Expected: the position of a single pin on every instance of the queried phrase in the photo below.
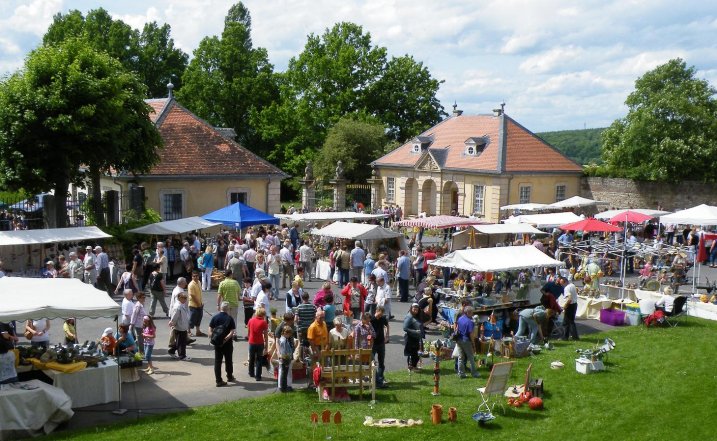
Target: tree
(404, 98)
(228, 80)
(355, 143)
(150, 54)
(342, 73)
(72, 113)
(670, 131)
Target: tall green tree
(404, 98)
(151, 53)
(228, 80)
(70, 114)
(670, 131)
(353, 142)
(339, 73)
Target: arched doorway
(449, 198)
(428, 197)
(410, 197)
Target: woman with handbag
(38, 332)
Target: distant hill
(582, 146)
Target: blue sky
(557, 64)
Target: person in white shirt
(250, 260)
(667, 301)
(379, 271)
(287, 263)
(273, 264)
(358, 255)
(127, 306)
(180, 288)
(90, 264)
(262, 299)
(306, 254)
(569, 302)
(383, 295)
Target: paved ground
(179, 385)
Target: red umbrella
(590, 225)
(630, 216)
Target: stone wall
(626, 193)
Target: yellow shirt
(195, 295)
(318, 334)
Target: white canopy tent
(609, 214)
(497, 259)
(346, 230)
(323, 216)
(575, 202)
(176, 226)
(531, 206)
(28, 298)
(548, 220)
(468, 237)
(699, 215)
(51, 235)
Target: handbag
(28, 332)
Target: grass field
(659, 384)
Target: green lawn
(659, 384)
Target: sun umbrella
(630, 216)
(590, 225)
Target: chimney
(456, 111)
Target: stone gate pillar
(375, 182)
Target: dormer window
(421, 143)
(416, 148)
(475, 145)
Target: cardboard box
(585, 366)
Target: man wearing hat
(49, 272)
(90, 263)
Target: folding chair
(678, 310)
(495, 388)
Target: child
(286, 352)
(70, 331)
(108, 342)
(149, 332)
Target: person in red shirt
(258, 332)
(354, 296)
(429, 254)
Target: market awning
(321, 216)
(575, 202)
(590, 225)
(608, 214)
(51, 235)
(506, 229)
(547, 220)
(438, 222)
(699, 215)
(240, 216)
(346, 230)
(531, 206)
(26, 298)
(176, 226)
(497, 259)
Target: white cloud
(33, 17)
(551, 60)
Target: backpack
(218, 334)
(156, 282)
(337, 258)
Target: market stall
(486, 235)
(440, 222)
(23, 251)
(177, 226)
(547, 220)
(328, 216)
(28, 298)
(240, 216)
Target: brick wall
(626, 193)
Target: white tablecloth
(322, 270)
(33, 412)
(89, 386)
(589, 307)
(694, 307)
(617, 292)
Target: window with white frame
(560, 192)
(478, 199)
(171, 204)
(524, 194)
(391, 189)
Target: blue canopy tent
(240, 216)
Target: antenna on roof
(456, 111)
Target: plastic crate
(613, 317)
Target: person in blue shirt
(403, 271)
(368, 266)
(125, 341)
(207, 266)
(464, 330)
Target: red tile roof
(192, 147)
(520, 149)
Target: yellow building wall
(202, 197)
(543, 187)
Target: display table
(322, 270)
(89, 386)
(32, 412)
(589, 307)
(694, 307)
(618, 292)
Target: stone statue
(309, 171)
(373, 172)
(339, 170)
